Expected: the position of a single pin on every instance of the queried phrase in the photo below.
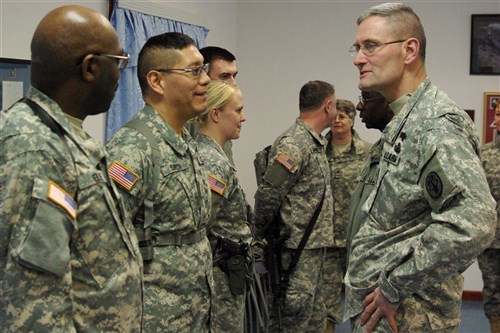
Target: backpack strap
(145, 130)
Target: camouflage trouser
(227, 311)
(304, 309)
(489, 264)
(333, 276)
(414, 315)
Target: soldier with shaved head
(69, 257)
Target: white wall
(282, 45)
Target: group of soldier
(153, 233)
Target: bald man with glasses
(69, 257)
(156, 165)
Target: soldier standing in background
(221, 66)
(295, 184)
(69, 256)
(347, 154)
(489, 260)
(161, 176)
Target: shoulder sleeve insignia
(57, 195)
(433, 185)
(285, 160)
(216, 185)
(122, 175)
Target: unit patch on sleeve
(123, 175)
(57, 195)
(286, 161)
(434, 185)
(216, 185)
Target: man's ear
(155, 82)
(412, 50)
(89, 68)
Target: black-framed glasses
(121, 60)
(363, 100)
(370, 48)
(194, 71)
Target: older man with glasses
(430, 212)
(159, 172)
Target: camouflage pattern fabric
(179, 278)
(294, 182)
(192, 126)
(229, 221)
(304, 309)
(489, 264)
(429, 215)
(69, 257)
(344, 170)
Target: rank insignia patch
(122, 175)
(216, 185)
(61, 198)
(286, 161)
(434, 185)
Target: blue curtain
(133, 30)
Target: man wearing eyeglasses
(430, 213)
(156, 164)
(69, 257)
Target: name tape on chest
(285, 160)
(216, 185)
(57, 195)
(122, 175)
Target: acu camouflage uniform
(69, 257)
(229, 221)
(489, 260)
(178, 279)
(294, 183)
(344, 169)
(428, 217)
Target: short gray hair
(404, 21)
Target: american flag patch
(286, 161)
(216, 185)
(61, 198)
(122, 175)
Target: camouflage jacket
(69, 257)
(430, 214)
(344, 170)
(294, 182)
(181, 208)
(490, 155)
(229, 218)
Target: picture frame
(485, 44)
(491, 99)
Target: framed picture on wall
(491, 100)
(485, 44)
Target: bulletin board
(14, 80)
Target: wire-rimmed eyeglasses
(370, 48)
(195, 71)
(363, 100)
(121, 60)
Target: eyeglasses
(363, 100)
(121, 60)
(195, 71)
(370, 48)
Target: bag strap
(143, 128)
(305, 238)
